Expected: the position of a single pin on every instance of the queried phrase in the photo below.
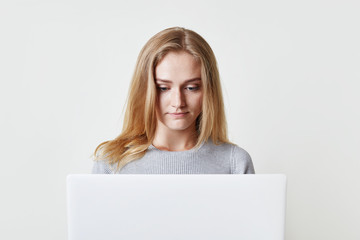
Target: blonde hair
(140, 116)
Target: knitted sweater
(207, 159)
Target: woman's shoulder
(102, 166)
(240, 159)
(233, 148)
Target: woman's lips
(179, 114)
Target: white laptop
(176, 207)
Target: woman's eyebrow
(189, 80)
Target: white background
(290, 73)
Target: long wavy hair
(140, 116)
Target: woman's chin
(178, 127)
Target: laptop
(176, 207)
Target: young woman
(174, 121)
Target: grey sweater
(207, 159)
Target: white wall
(290, 72)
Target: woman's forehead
(178, 66)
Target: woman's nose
(177, 99)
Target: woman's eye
(193, 88)
(162, 89)
(190, 88)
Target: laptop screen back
(183, 207)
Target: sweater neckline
(177, 152)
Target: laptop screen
(134, 207)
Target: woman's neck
(175, 140)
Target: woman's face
(179, 91)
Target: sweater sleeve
(241, 161)
(101, 167)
